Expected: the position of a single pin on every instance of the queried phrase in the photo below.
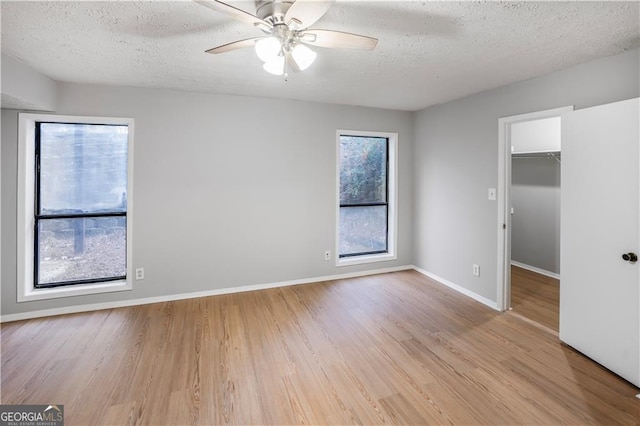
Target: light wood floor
(394, 348)
(536, 297)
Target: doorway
(529, 215)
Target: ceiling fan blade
(305, 13)
(292, 62)
(233, 12)
(240, 44)
(337, 39)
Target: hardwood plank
(536, 297)
(402, 411)
(395, 348)
(363, 408)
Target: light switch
(492, 194)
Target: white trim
(536, 270)
(392, 218)
(504, 247)
(26, 152)
(370, 258)
(504, 198)
(182, 296)
(459, 289)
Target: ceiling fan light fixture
(286, 27)
(268, 48)
(275, 65)
(303, 56)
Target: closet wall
(535, 194)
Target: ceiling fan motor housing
(273, 11)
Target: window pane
(363, 170)
(83, 168)
(81, 249)
(363, 229)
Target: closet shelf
(556, 155)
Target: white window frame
(392, 189)
(26, 189)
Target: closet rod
(539, 155)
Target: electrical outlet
(476, 270)
(327, 255)
(139, 273)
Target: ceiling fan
(287, 38)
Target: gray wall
(535, 224)
(456, 160)
(228, 191)
(233, 191)
(24, 87)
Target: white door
(599, 290)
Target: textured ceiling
(428, 52)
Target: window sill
(76, 290)
(370, 258)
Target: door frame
(504, 197)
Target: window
(75, 205)
(366, 197)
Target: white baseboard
(182, 296)
(459, 289)
(536, 270)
